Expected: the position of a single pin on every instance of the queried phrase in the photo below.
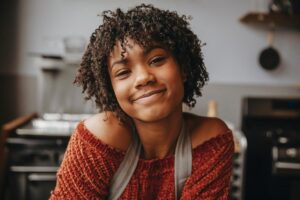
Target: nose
(144, 77)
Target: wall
(230, 54)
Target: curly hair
(145, 25)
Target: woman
(139, 67)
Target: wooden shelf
(272, 19)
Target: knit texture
(89, 165)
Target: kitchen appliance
(35, 150)
(237, 188)
(272, 128)
(33, 163)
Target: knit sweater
(89, 165)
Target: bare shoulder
(204, 128)
(109, 130)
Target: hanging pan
(269, 57)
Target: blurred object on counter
(48, 62)
(212, 110)
(297, 86)
(70, 53)
(74, 48)
(52, 125)
(185, 108)
(56, 92)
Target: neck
(159, 138)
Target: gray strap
(183, 160)
(126, 169)
(183, 165)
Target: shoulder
(106, 127)
(204, 128)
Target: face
(148, 83)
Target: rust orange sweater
(89, 164)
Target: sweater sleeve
(86, 169)
(212, 169)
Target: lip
(148, 94)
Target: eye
(157, 60)
(121, 74)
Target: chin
(153, 114)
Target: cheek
(175, 79)
(178, 85)
(121, 92)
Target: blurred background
(251, 53)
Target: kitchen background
(33, 28)
(231, 53)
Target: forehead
(121, 48)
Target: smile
(150, 96)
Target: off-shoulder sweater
(89, 165)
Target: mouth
(148, 94)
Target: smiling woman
(148, 84)
(140, 66)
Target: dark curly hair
(145, 25)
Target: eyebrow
(145, 52)
(122, 61)
(150, 48)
